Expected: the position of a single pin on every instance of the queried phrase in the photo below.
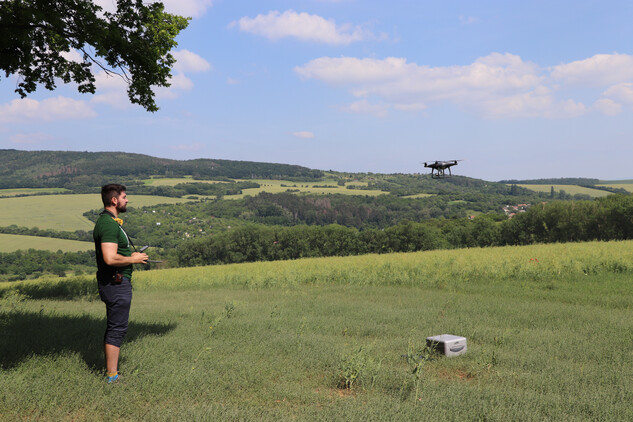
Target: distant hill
(73, 170)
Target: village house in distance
(512, 210)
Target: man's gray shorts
(117, 298)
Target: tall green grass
(443, 268)
(548, 328)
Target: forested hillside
(84, 171)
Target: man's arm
(113, 259)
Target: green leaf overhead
(134, 43)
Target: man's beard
(121, 208)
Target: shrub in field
(357, 369)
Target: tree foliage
(609, 218)
(86, 172)
(133, 42)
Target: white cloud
(494, 86)
(73, 56)
(394, 76)
(117, 99)
(598, 70)
(349, 70)
(303, 135)
(538, 103)
(410, 107)
(305, 27)
(232, 81)
(621, 92)
(58, 108)
(105, 81)
(112, 89)
(188, 8)
(364, 107)
(179, 82)
(34, 138)
(608, 107)
(186, 61)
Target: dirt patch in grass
(455, 375)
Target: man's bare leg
(112, 358)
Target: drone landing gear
(439, 174)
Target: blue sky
(519, 90)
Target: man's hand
(139, 257)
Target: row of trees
(267, 243)
(287, 209)
(19, 265)
(184, 189)
(609, 218)
(83, 235)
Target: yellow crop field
(626, 186)
(30, 191)
(14, 242)
(275, 186)
(63, 212)
(173, 181)
(570, 189)
(419, 195)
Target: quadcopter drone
(438, 168)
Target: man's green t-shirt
(109, 231)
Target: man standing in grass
(114, 272)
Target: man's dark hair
(111, 191)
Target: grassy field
(548, 328)
(275, 186)
(419, 195)
(617, 182)
(570, 189)
(626, 185)
(30, 191)
(63, 212)
(11, 243)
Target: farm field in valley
(336, 339)
(13, 242)
(275, 186)
(63, 212)
(30, 191)
(626, 185)
(570, 189)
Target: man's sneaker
(113, 378)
